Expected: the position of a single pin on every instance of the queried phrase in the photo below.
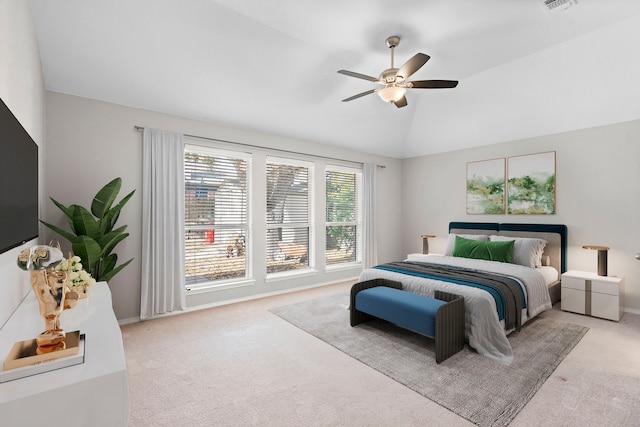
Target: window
(343, 215)
(216, 215)
(288, 215)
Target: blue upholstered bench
(441, 318)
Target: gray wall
(597, 196)
(22, 89)
(91, 142)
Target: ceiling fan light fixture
(394, 80)
(391, 93)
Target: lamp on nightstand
(602, 258)
(425, 242)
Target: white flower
(77, 275)
(63, 266)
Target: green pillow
(479, 249)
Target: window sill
(341, 267)
(212, 287)
(276, 277)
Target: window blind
(288, 215)
(216, 215)
(343, 215)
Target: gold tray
(23, 353)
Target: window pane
(214, 254)
(288, 216)
(216, 216)
(287, 194)
(341, 196)
(342, 216)
(287, 249)
(341, 245)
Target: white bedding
(550, 274)
(483, 328)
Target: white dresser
(94, 393)
(587, 293)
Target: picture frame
(486, 187)
(531, 184)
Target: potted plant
(92, 235)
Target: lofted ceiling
(272, 65)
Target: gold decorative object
(25, 353)
(82, 291)
(51, 288)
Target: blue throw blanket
(506, 291)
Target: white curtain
(163, 289)
(369, 215)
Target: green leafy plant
(92, 235)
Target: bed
(500, 297)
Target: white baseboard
(237, 300)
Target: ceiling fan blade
(412, 65)
(434, 84)
(351, 98)
(358, 75)
(402, 102)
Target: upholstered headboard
(554, 234)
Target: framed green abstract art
(485, 187)
(531, 184)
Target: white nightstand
(592, 295)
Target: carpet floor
(240, 365)
(475, 387)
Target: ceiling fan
(394, 80)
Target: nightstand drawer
(573, 283)
(605, 306)
(572, 300)
(605, 287)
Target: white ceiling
(271, 65)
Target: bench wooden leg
(449, 326)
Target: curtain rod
(141, 128)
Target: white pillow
(526, 251)
(452, 241)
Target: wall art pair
(518, 185)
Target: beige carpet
(473, 386)
(241, 365)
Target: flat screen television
(18, 182)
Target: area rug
(473, 386)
